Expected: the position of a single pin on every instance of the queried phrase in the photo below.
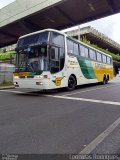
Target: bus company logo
(72, 63)
(98, 65)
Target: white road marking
(90, 147)
(86, 100)
(88, 90)
(69, 98)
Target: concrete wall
(96, 33)
(6, 72)
(23, 8)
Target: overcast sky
(110, 26)
(5, 2)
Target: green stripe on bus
(87, 68)
(35, 73)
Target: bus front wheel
(71, 83)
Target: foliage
(4, 50)
(7, 55)
(6, 84)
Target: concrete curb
(7, 87)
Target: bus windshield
(33, 59)
(44, 51)
(32, 55)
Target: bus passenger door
(54, 60)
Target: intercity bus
(49, 59)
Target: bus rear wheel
(71, 83)
(105, 80)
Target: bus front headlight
(16, 77)
(39, 77)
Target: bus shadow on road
(59, 91)
(62, 90)
(28, 94)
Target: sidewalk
(117, 78)
(6, 87)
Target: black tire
(71, 83)
(105, 80)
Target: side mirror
(16, 49)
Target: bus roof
(33, 33)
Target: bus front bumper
(32, 84)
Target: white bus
(50, 59)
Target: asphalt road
(81, 121)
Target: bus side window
(111, 61)
(70, 49)
(76, 49)
(92, 54)
(99, 57)
(82, 50)
(86, 52)
(104, 58)
(108, 60)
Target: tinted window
(86, 52)
(104, 58)
(76, 51)
(92, 54)
(58, 39)
(54, 53)
(99, 57)
(33, 39)
(70, 46)
(82, 50)
(108, 60)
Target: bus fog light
(16, 84)
(39, 83)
